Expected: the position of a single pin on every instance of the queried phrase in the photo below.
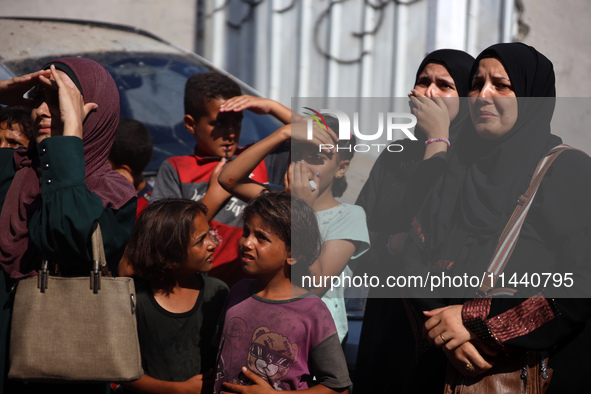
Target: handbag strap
(99, 263)
(510, 233)
(99, 260)
(98, 250)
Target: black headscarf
(458, 64)
(476, 196)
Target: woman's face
(493, 104)
(435, 81)
(46, 112)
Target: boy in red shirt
(217, 131)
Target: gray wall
(561, 30)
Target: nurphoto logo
(345, 133)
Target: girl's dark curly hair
(161, 236)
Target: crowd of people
(218, 243)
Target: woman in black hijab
(458, 227)
(387, 339)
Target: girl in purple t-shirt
(277, 336)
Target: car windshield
(151, 88)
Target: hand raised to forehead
(73, 111)
(13, 90)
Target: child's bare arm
(235, 175)
(149, 385)
(260, 386)
(332, 261)
(260, 106)
(216, 196)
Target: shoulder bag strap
(99, 260)
(99, 264)
(510, 233)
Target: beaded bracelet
(438, 140)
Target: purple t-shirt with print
(292, 344)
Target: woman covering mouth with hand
(512, 100)
(392, 194)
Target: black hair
(161, 236)
(292, 220)
(132, 146)
(345, 151)
(18, 115)
(201, 88)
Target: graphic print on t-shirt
(271, 355)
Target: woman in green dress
(61, 187)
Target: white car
(150, 74)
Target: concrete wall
(561, 30)
(172, 20)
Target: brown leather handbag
(523, 372)
(75, 329)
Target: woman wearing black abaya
(457, 229)
(387, 339)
